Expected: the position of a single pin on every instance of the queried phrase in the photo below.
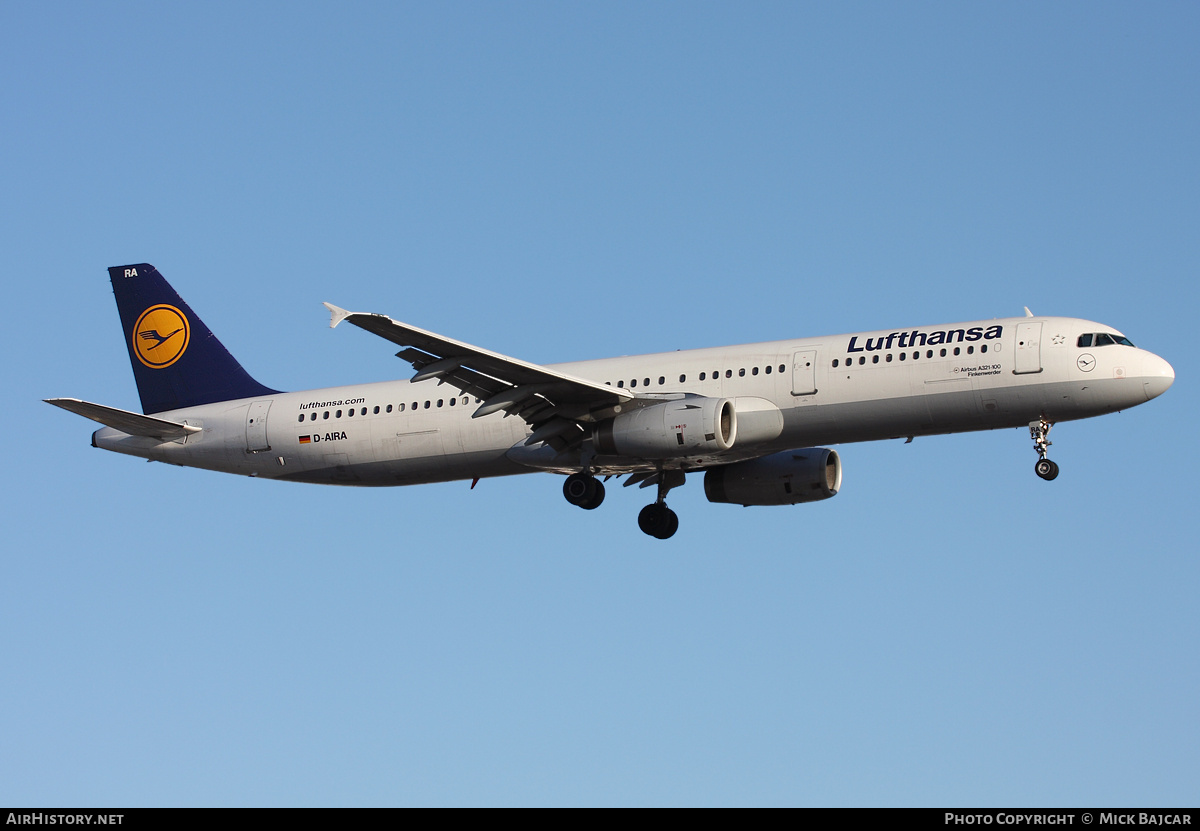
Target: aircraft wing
(550, 401)
(135, 424)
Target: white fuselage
(830, 390)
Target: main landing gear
(656, 519)
(584, 490)
(1038, 431)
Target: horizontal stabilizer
(134, 424)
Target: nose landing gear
(1038, 431)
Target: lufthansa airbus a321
(749, 417)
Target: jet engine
(691, 426)
(788, 478)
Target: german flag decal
(306, 439)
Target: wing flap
(135, 424)
(534, 392)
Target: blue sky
(561, 182)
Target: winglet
(336, 314)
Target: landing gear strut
(656, 519)
(584, 490)
(1038, 431)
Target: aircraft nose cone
(1159, 377)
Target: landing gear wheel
(1046, 469)
(584, 490)
(1039, 431)
(657, 520)
(672, 524)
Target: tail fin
(177, 361)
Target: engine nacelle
(758, 421)
(688, 427)
(788, 478)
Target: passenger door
(1028, 349)
(256, 427)
(804, 373)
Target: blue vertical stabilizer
(177, 361)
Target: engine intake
(788, 478)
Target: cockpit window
(1104, 339)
